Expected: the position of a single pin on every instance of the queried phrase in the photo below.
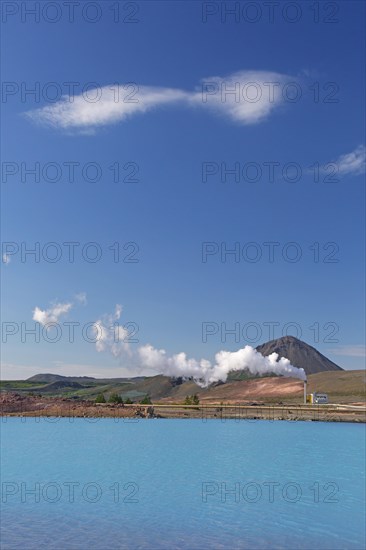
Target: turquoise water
(181, 484)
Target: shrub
(115, 398)
(100, 398)
(195, 400)
(192, 400)
(146, 400)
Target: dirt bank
(12, 404)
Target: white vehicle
(320, 398)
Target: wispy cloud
(352, 163)
(52, 314)
(247, 97)
(57, 310)
(6, 259)
(357, 350)
(110, 335)
(78, 112)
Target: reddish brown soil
(259, 388)
(15, 404)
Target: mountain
(50, 378)
(45, 378)
(300, 354)
(158, 387)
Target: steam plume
(203, 372)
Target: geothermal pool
(181, 484)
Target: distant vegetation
(192, 400)
(115, 398)
(146, 400)
(12, 385)
(100, 398)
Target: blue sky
(182, 125)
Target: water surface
(181, 484)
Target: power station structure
(315, 398)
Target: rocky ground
(13, 404)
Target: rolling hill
(323, 375)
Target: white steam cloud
(51, 315)
(205, 373)
(110, 335)
(57, 310)
(113, 338)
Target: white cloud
(78, 112)
(352, 163)
(110, 335)
(257, 94)
(57, 310)
(247, 97)
(51, 315)
(357, 350)
(117, 312)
